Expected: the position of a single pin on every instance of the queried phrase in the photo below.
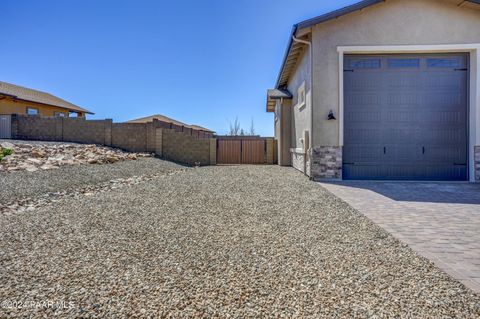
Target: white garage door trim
(474, 100)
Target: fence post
(159, 142)
(213, 151)
(108, 131)
(58, 129)
(14, 126)
(270, 148)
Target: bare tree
(252, 128)
(234, 127)
(242, 132)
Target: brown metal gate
(241, 151)
(5, 126)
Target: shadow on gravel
(429, 192)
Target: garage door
(405, 117)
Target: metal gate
(5, 126)
(241, 150)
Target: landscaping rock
(6, 145)
(31, 157)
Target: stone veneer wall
(477, 163)
(326, 162)
(298, 160)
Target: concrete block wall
(183, 148)
(36, 128)
(172, 144)
(82, 131)
(131, 137)
(61, 129)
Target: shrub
(5, 152)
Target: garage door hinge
(347, 70)
(461, 69)
(348, 163)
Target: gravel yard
(226, 241)
(23, 183)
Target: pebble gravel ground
(27, 184)
(225, 242)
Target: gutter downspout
(310, 50)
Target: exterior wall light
(331, 116)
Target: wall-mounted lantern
(331, 116)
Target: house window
(365, 64)
(443, 63)
(32, 111)
(403, 63)
(301, 98)
(59, 114)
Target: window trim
(301, 92)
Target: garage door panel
(362, 99)
(363, 82)
(363, 136)
(445, 81)
(440, 154)
(401, 99)
(403, 114)
(406, 118)
(364, 114)
(363, 153)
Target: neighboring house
(169, 123)
(15, 99)
(382, 90)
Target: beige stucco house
(382, 90)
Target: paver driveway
(441, 221)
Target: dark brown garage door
(406, 117)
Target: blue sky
(201, 62)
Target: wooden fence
(245, 150)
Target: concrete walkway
(441, 221)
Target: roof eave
(15, 97)
(285, 56)
(320, 19)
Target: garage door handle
(423, 149)
(384, 150)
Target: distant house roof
(159, 117)
(294, 49)
(167, 119)
(26, 94)
(201, 128)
